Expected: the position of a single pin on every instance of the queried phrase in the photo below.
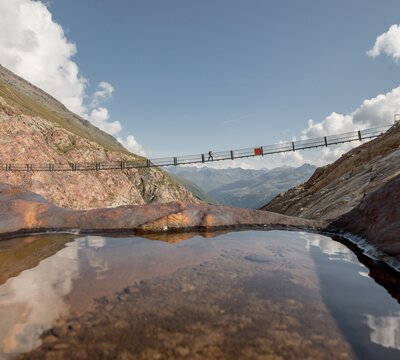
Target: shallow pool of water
(252, 294)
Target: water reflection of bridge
(281, 147)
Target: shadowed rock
(26, 212)
(376, 218)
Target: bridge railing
(374, 132)
(190, 159)
(162, 161)
(277, 148)
(280, 147)
(309, 143)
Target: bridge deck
(203, 158)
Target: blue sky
(193, 75)
(189, 76)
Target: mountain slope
(193, 188)
(335, 189)
(36, 128)
(32, 101)
(243, 187)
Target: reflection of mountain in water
(385, 330)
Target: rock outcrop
(376, 219)
(36, 128)
(359, 194)
(336, 189)
(26, 212)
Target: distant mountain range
(242, 187)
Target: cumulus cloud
(374, 112)
(132, 145)
(35, 47)
(103, 93)
(388, 43)
(100, 118)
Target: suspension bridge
(281, 147)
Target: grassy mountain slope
(32, 101)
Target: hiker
(210, 156)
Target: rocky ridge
(336, 189)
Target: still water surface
(253, 294)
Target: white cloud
(132, 145)
(373, 112)
(379, 110)
(388, 42)
(35, 47)
(100, 118)
(333, 124)
(103, 93)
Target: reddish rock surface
(376, 218)
(26, 212)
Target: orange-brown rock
(26, 212)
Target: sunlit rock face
(37, 129)
(22, 212)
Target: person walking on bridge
(210, 156)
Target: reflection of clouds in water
(30, 302)
(385, 330)
(328, 246)
(91, 244)
(364, 274)
(94, 241)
